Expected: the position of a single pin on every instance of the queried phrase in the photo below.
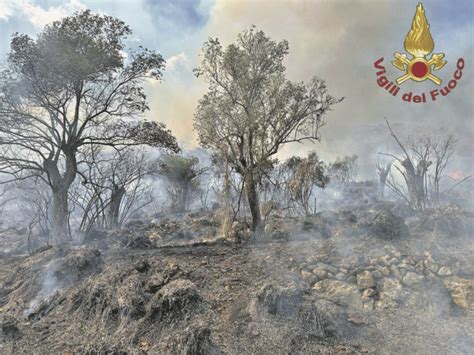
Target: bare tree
(443, 150)
(383, 172)
(421, 167)
(413, 167)
(127, 172)
(251, 109)
(31, 202)
(69, 88)
(112, 186)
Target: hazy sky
(337, 40)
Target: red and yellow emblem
(419, 44)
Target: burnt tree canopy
(182, 174)
(71, 87)
(251, 109)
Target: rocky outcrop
(461, 291)
(340, 292)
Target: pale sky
(337, 40)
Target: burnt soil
(313, 285)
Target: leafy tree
(251, 109)
(343, 170)
(305, 174)
(69, 88)
(182, 174)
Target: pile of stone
(382, 282)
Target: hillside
(357, 280)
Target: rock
(408, 260)
(411, 279)
(365, 280)
(389, 294)
(392, 251)
(341, 276)
(327, 267)
(431, 265)
(462, 292)
(351, 279)
(373, 261)
(445, 271)
(320, 273)
(385, 260)
(377, 274)
(307, 276)
(406, 267)
(385, 271)
(393, 261)
(276, 300)
(420, 267)
(339, 292)
(395, 272)
(368, 292)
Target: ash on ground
(355, 280)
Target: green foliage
(304, 175)
(251, 109)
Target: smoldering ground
(337, 281)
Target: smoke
(351, 38)
(49, 286)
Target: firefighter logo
(419, 44)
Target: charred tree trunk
(60, 184)
(415, 180)
(183, 200)
(254, 203)
(60, 215)
(383, 173)
(114, 207)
